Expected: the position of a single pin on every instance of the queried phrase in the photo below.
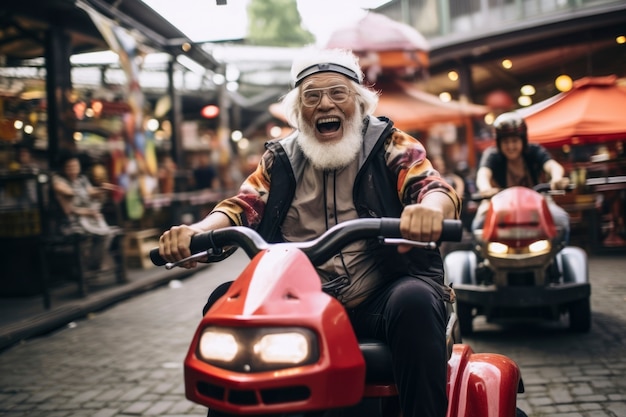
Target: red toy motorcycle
(520, 268)
(276, 344)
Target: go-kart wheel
(520, 413)
(464, 313)
(580, 315)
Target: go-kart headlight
(257, 349)
(497, 248)
(282, 348)
(218, 345)
(540, 246)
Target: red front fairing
(481, 384)
(280, 288)
(518, 216)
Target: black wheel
(464, 313)
(520, 413)
(580, 315)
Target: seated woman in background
(81, 204)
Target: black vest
(374, 195)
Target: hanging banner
(138, 150)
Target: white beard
(330, 156)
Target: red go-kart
(277, 345)
(520, 268)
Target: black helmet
(510, 124)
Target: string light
(563, 83)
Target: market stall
(586, 128)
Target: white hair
(366, 98)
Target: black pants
(410, 316)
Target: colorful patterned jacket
(394, 172)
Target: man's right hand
(174, 244)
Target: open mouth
(328, 125)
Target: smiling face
(511, 147)
(327, 119)
(330, 121)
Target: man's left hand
(420, 223)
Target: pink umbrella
(384, 45)
(375, 33)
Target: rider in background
(515, 162)
(343, 163)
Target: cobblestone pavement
(127, 360)
(123, 361)
(565, 373)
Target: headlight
(539, 246)
(258, 349)
(282, 348)
(217, 345)
(497, 248)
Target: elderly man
(340, 164)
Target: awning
(591, 112)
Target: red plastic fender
(518, 206)
(280, 288)
(481, 384)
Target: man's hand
(174, 244)
(421, 223)
(560, 184)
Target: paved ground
(569, 374)
(126, 360)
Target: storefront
(42, 111)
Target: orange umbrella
(592, 111)
(412, 109)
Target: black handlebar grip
(156, 258)
(390, 227)
(199, 243)
(452, 231)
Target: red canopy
(592, 111)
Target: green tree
(276, 23)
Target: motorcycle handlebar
(318, 250)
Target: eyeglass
(337, 93)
